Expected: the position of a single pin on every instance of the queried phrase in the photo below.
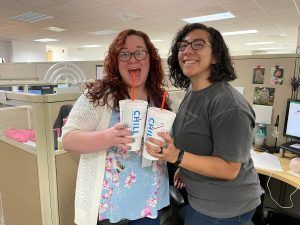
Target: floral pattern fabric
(130, 191)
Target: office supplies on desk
(292, 146)
(265, 161)
(275, 134)
(295, 165)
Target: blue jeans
(142, 221)
(193, 217)
(145, 221)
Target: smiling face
(278, 73)
(140, 68)
(196, 64)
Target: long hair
(112, 84)
(222, 70)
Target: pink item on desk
(295, 164)
(20, 135)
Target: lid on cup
(164, 111)
(129, 101)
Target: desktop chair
(63, 114)
(178, 198)
(59, 122)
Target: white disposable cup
(259, 141)
(133, 114)
(157, 121)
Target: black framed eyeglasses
(195, 44)
(138, 55)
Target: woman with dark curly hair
(112, 185)
(212, 132)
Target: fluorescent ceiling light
(156, 40)
(91, 46)
(273, 48)
(212, 17)
(103, 32)
(278, 52)
(260, 43)
(57, 29)
(46, 40)
(31, 17)
(239, 32)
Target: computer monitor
(292, 119)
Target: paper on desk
(265, 161)
(30, 143)
(295, 146)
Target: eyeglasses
(196, 44)
(138, 55)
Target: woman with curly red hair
(112, 185)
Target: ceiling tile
(160, 19)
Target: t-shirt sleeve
(232, 135)
(83, 116)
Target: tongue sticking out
(135, 72)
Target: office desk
(265, 212)
(283, 176)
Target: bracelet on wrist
(179, 158)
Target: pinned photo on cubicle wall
(277, 75)
(258, 75)
(264, 96)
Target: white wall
(5, 50)
(59, 53)
(87, 54)
(298, 37)
(63, 53)
(28, 52)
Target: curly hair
(222, 70)
(113, 86)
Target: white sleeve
(83, 116)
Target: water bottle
(260, 136)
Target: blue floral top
(130, 191)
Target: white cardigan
(84, 116)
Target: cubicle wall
(36, 71)
(66, 173)
(17, 71)
(16, 112)
(37, 185)
(19, 186)
(62, 166)
(244, 67)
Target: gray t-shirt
(218, 121)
